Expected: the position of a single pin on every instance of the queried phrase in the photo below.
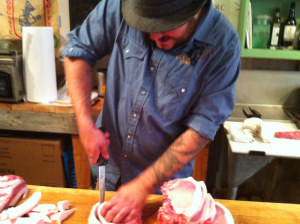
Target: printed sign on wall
(230, 8)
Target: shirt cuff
(76, 52)
(203, 126)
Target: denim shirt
(152, 95)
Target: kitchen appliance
(11, 71)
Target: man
(170, 85)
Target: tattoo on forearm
(172, 160)
(167, 165)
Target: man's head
(169, 22)
(167, 40)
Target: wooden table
(51, 119)
(242, 212)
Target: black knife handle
(255, 112)
(102, 129)
(101, 161)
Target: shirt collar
(204, 32)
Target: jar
(261, 31)
(101, 76)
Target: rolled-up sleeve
(216, 100)
(95, 38)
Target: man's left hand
(127, 204)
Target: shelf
(265, 7)
(271, 54)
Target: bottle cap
(277, 10)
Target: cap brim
(158, 24)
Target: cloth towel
(238, 135)
(255, 126)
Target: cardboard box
(37, 161)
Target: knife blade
(101, 166)
(293, 118)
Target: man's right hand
(95, 142)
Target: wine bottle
(290, 27)
(274, 40)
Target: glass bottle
(276, 25)
(290, 27)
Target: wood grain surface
(243, 212)
(42, 118)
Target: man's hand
(127, 204)
(95, 142)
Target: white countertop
(278, 147)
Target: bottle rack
(266, 7)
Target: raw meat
(187, 202)
(96, 218)
(63, 205)
(61, 216)
(223, 215)
(24, 208)
(45, 218)
(12, 188)
(42, 207)
(27, 221)
(23, 221)
(288, 134)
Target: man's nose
(155, 36)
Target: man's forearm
(178, 155)
(79, 77)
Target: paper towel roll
(39, 64)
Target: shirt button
(143, 92)
(127, 51)
(125, 156)
(129, 136)
(183, 90)
(134, 115)
(71, 49)
(152, 68)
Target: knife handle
(101, 161)
(255, 112)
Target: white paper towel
(39, 64)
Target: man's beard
(190, 30)
(188, 34)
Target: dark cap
(154, 16)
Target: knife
(294, 119)
(102, 163)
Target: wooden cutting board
(243, 212)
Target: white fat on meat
(63, 205)
(42, 207)
(96, 218)
(187, 202)
(223, 215)
(24, 208)
(12, 189)
(61, 216)
(38, 215)
(23, 220)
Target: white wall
(268, 87)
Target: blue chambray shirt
(152, 95)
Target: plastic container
(261, 31)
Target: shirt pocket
(134, 56)
(174, 98)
